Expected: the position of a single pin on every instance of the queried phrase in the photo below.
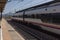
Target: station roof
(2, 4)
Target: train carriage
(47, 17)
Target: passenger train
(47, 16)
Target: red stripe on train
(46, 25)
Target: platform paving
(0, 33)
(12, 34)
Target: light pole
(23, 14)
(1, 13)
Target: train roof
(46, 4)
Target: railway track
(33, 32)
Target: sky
(16, 5)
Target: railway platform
(9, 33)
(0, 33)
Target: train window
(32, 16)
(56, 18)
(44, 17)
(25, 16)
(48, 18)
(46, 9)
(38, 16)
(54, 9)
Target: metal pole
(23, 15)
(1, 13)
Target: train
(47, 16)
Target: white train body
(49, 13)
(44, 10)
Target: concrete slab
(9, 33)
(5, 33)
